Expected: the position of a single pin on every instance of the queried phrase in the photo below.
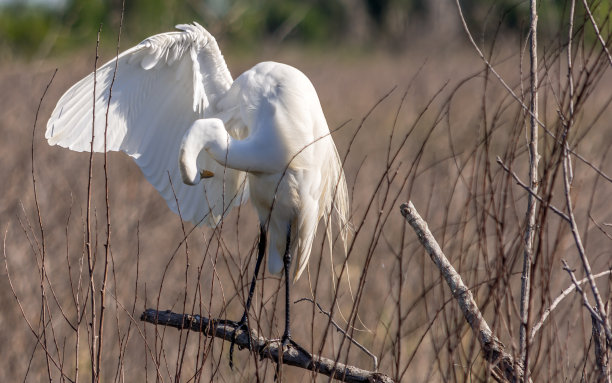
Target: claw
(286, 341)
(241, 325)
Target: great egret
(175, 110)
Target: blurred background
(42, 28)
(416, 115)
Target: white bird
(174, 108)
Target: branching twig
(558, 300)
(599, 304)
(585, 299)
(265, 348)
(599, 322)
(338, 328)
(526, 187)
(517, 98)
(504, 366)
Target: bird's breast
(274, 196)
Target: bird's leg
(287, 264)
(243, 323)
(286, 339)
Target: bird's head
(190, 173)
(188, 160)
(198, 139)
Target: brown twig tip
(265, 348)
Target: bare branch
(530, 214)
(517, 98)
(492, 69)
(580, 247)
(558, 300)
(265, 348)
(503, 365)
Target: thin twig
(585, 299)
(579, 246)
(596, 28)
(517, 98)
(36, 335)
(43, 250)
(107, 202)
(338, 328)
(558, 300)
(599, 226)
(526, 187)
(88, 240)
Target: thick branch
(265, 348)
(504, 366)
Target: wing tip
(193, 28)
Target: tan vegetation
(457, 119)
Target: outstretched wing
(160, 87)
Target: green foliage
(322, 22)
(28, 30)
(24, 29)
(247, 24)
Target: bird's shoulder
(270, 77)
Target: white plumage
(264, 135)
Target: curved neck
(253, 154)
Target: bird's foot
(238, 327)
(286, 341)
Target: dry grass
(446, 167)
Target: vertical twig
(530, 215)
(88, 244)
(107, 202)
(43, 318)
(578, 242)
(570, 77)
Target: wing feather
(161, 86)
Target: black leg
(261, 250)
(286, 339)
(287, 265)
(243, 324)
